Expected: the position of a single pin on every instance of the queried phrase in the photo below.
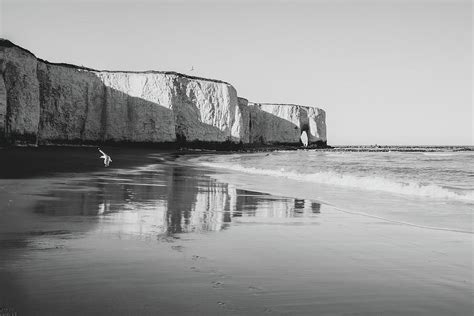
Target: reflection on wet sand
(165, 199)
(143, 241)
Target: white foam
(366, 183)
(441, 154)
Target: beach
(158, 233)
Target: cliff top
(284, 104)
(6, 43)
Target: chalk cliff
(284, 123)
(44, 103)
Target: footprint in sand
(255, 289)
(178, 248)
(268, 310)
(225, 306)
(207, 270)
(217, 285)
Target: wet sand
(153, 235)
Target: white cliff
(20, 103)
(284, 123)
(44, 103)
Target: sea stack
(50, 103)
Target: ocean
(428, 189)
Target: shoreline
(231, 147)
(277, 188)
(390, 201)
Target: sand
(152, 235)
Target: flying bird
(107, 159)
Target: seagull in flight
(106, 157)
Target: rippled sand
(153, 235)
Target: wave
(367, 183)
(442, 154)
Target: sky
(385, 71)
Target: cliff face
(42, 102)
(284, 123)
(20, 96)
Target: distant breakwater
(396, 148)
(44, 103)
